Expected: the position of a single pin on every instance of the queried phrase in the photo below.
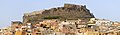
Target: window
(0, 29)
(38, 33)
(89, 26)
(64, 21)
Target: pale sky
(14, 9)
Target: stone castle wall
(69, 11)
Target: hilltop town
(71, 19)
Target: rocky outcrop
(69, 12)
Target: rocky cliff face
(69, 11)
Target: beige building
(15, 24)
(116, 24)
(92, 33)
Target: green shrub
(51, 17)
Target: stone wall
(69, 11)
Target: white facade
(103, 23)
(81, 25)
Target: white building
(101, 22)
